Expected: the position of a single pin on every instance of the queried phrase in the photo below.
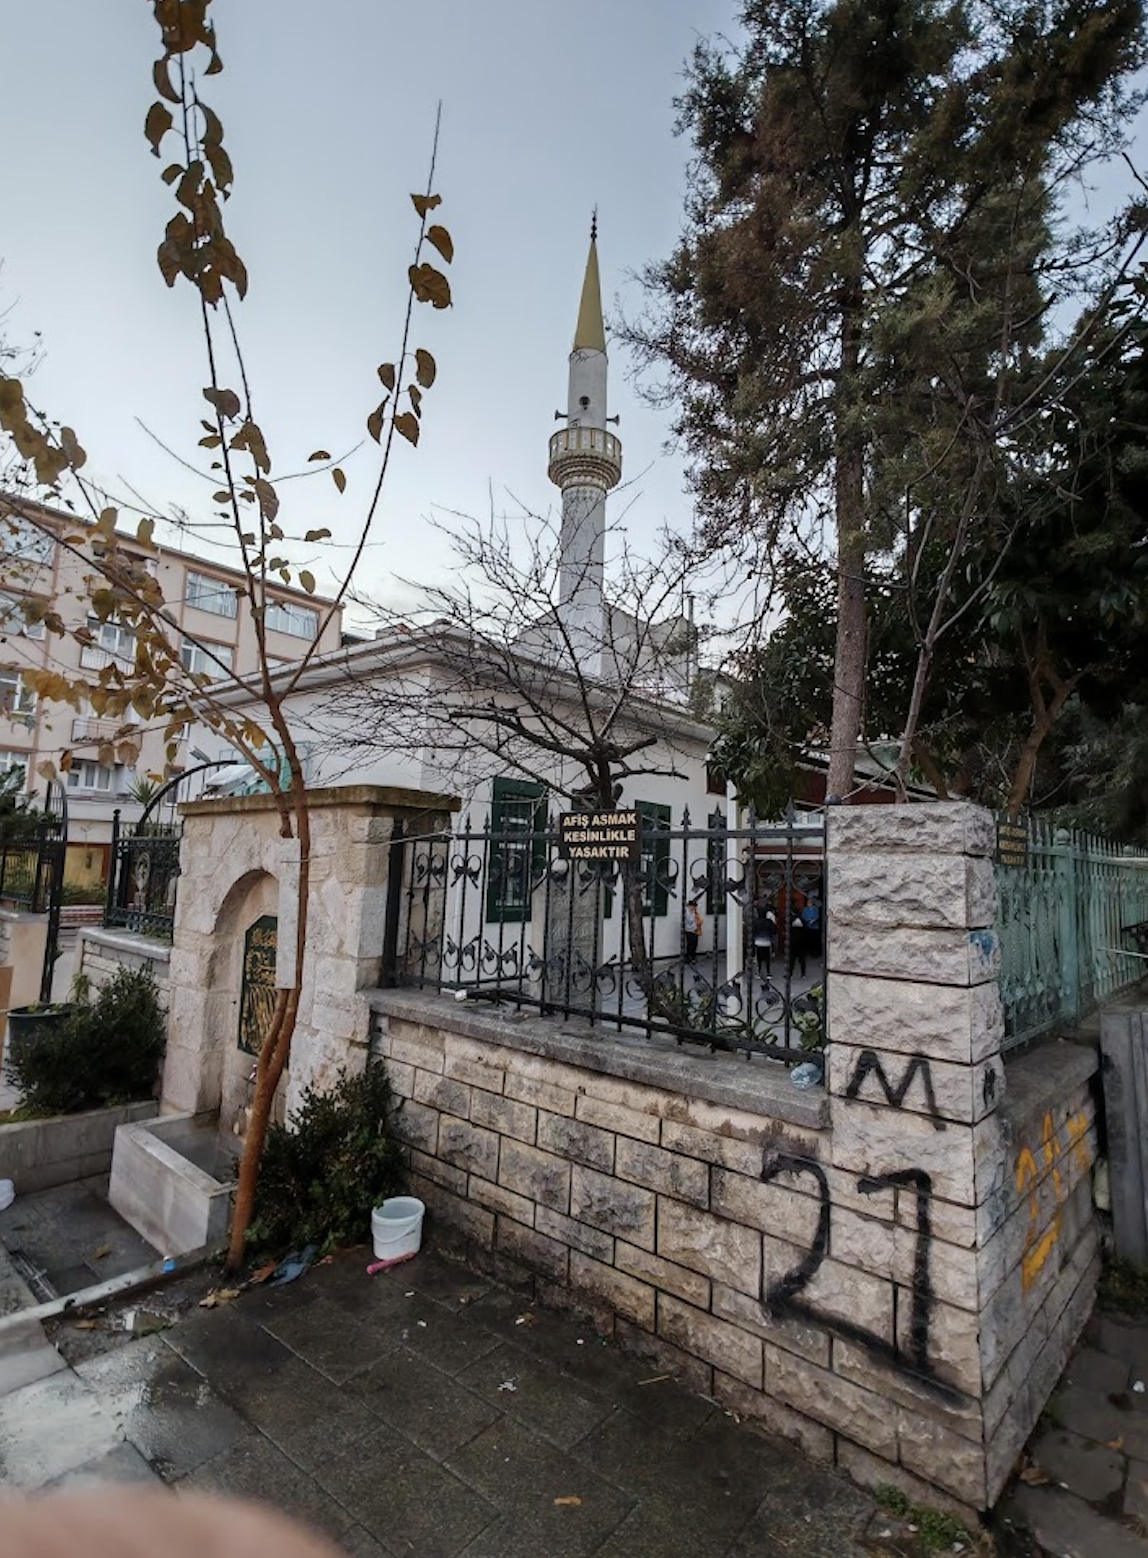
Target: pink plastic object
(382, 1265)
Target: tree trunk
(849, 478)
(849, 661)
(929, 766)
(1043, 721)
(276, 1048)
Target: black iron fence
(142, 877)
(143, 873)
(501, 915)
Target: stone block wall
(891, 1270)
(989, 1166)
(623, 1179)
(99, 953)
(37, 1154)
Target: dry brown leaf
(1114, 1444)
(103, 1252)
(571, 1501)
(219, 1296)
(1034, 1477)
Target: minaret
(585, 462)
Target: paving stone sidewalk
(1089, 1460)
(424, 1413)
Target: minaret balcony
(585, 456)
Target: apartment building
(204, 598)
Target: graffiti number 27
(784, 1296)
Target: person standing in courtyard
(764, 938)
(691, 929)
(798, 935)
(812, 919)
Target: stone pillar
(915, 1078)
(574, 929)
(236, 869)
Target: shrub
(320, 1178)
(107, 1051)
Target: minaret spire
(585, 463)
(590, 334)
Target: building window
(13, 622)
(212, 595)
(25, 542)
(210, 660)
(12, 762)
(95, 778)
(715, 780)
(517, 849)
(113, 638)
(16, 698)
(285, 617)
(654, 860)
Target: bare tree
(492, 680)
(155, 685)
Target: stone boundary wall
(891, 1270)
(99, 953)
(37, 1154)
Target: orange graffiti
(1078, 1141)
(1039, 1246)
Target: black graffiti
(869, 1063)
(921, 1298)
(782, 1298)
(990, 1088)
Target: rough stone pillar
(971, 1205)
(916, 1078)
(574, 936)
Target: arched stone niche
(236, 867)
(205, 1069)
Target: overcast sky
(328, 114)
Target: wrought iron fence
(19, 872)
(142, 877)
(30, 863)
(143, 873)
(1072, 922)
(500, 915)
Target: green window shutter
(655, 856)
(518, 807)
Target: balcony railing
(93, 658)
(586, 440)
(85, 728)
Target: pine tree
(868, 263)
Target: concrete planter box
(172, 1182)
(37, 1154)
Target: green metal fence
(1072, 922)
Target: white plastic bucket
(397, 1227)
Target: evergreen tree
(870, 254)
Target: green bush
(107, 1051)
(320, 1179)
